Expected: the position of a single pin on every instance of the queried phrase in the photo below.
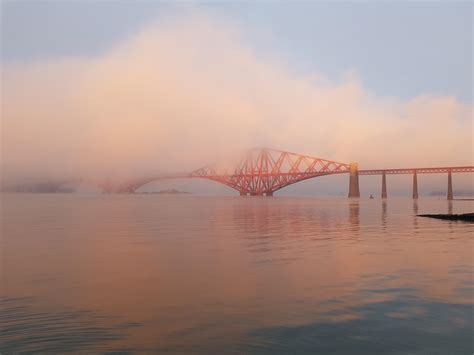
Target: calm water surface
(218, 275)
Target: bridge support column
(415, 186)
(450, 186)
(243, 193)
(269, 193)
(354, 181)
(384, 185)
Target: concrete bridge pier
(450, 186)
(354, 181)
(243, 193)
(269, 193)
(415, 186)
(384, 185)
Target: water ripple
(28, 328)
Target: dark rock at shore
(468, 217)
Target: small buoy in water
(371, 197)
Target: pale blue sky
(397, 49)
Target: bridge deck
(453, 169)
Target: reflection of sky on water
(386, 320)
(220, 275)
(27, 327)
(399, 326)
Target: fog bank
(188, 91)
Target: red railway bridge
(263, 171)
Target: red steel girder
(264, 171)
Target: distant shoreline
(165, 192)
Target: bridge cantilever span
(260, 172)
(263, 171)
(133, 185)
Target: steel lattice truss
(261, 171)
(264, 171)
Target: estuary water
(224, 275)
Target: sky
(103, 88)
